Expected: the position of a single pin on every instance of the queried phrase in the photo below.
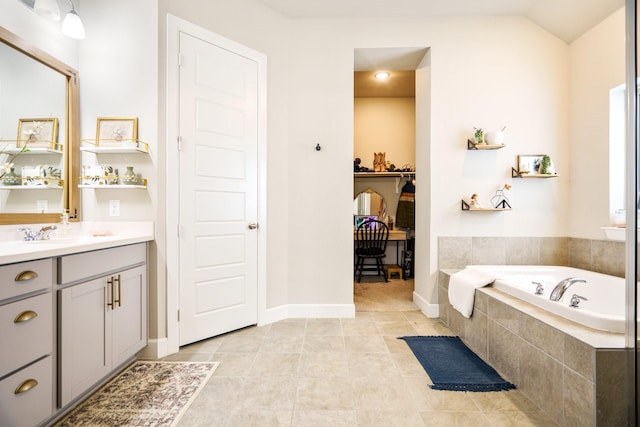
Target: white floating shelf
(36, 150)
(112, 186)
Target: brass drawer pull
(117, 280)
(112, 303)
(26, 275)
(26, 386)
(25, 316)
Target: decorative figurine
(500, 200)
(379, 163)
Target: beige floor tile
(323, 344)
(323, 328)
(455, 419)
(189, 357)
(275, 365)
(268, 393)
(324, 418)
(389, 419)
(324, 365)
(371, 365)
(360, 344)
(282, 344)
(240, 344)
(519, 419)
(315, 393)
(373, 393)
(341, 373)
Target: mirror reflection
(370, 203)
(32, 117)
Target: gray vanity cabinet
(103, 315)
(26, 351)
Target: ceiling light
(48, 9)
(72, 25)
(382, 75)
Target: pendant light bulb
(72, 25)
(47, 9)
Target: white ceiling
(567, 19)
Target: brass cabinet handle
(25, 316)
(117, 280)
(26, 275)
(25, 386)
(112, 303)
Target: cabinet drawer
(24, 277)
(26, 328)
(33, 405)
(73, 268)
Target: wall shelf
(55, 186)
(36, 150)
(472, 146)
(128, 146)
(517, 174)
(383, 174)
(115, 186)
(467, 207)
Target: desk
(394, 236)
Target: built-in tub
(604, 304)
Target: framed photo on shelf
(529, 163)
(38, 133)
(117, 132)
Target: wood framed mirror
(32, 203)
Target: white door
(218, 188)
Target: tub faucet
(561, 287)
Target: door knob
(253, 226)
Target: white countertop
(80, 237)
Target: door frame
(175, 26)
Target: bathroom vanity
(73, 311)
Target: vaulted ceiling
(567, 19)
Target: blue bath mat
(451, 365)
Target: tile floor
(341, 372)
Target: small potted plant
(479, 136)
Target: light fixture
(72, 25)
(382, 75)
(48, 9)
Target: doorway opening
(385, 168)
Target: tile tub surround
(602, 256)
(573, 373)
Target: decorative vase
(10, 178)
(130, 177)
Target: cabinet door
(129, 315)
(85, 324)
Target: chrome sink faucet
(562, 287)
(43, 234)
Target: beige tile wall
(602, 256)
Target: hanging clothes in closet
(405, 214)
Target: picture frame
(38, 133)
(529, 163)
(117, 132)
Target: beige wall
(385, 125)
(484, 71)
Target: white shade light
(72, 25)
(382, 75)
(48, 9)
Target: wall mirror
(370, 203)
(39, 111)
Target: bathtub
(603, 309)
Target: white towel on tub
(462, 288)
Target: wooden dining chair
(371, 242)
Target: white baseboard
(308, 311)
(155, 349)
(429, 310)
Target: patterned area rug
(147, 393)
